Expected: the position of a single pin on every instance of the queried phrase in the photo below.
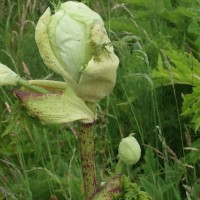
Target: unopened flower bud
(73, 43)
(129, 150)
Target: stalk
(35, 88)
(87, 153)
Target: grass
(42, 162)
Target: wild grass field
(156, 97)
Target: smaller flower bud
(7, 76)
(129, 150)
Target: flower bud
(129, 150)
(7, 76)
(73, 43)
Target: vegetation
(156, 97)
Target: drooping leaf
(56, 108)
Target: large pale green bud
(73, 43)
(7, 76)
(129, 150)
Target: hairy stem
(87, 153)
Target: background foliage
(156, 97)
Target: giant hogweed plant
(74, 44)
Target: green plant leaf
(193, 156)
(191, 107)
(181, 68)
(176, 67)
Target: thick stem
(86, 141)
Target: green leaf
(193, 156)
(181, 68)
(191, 106)
(176, 67)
